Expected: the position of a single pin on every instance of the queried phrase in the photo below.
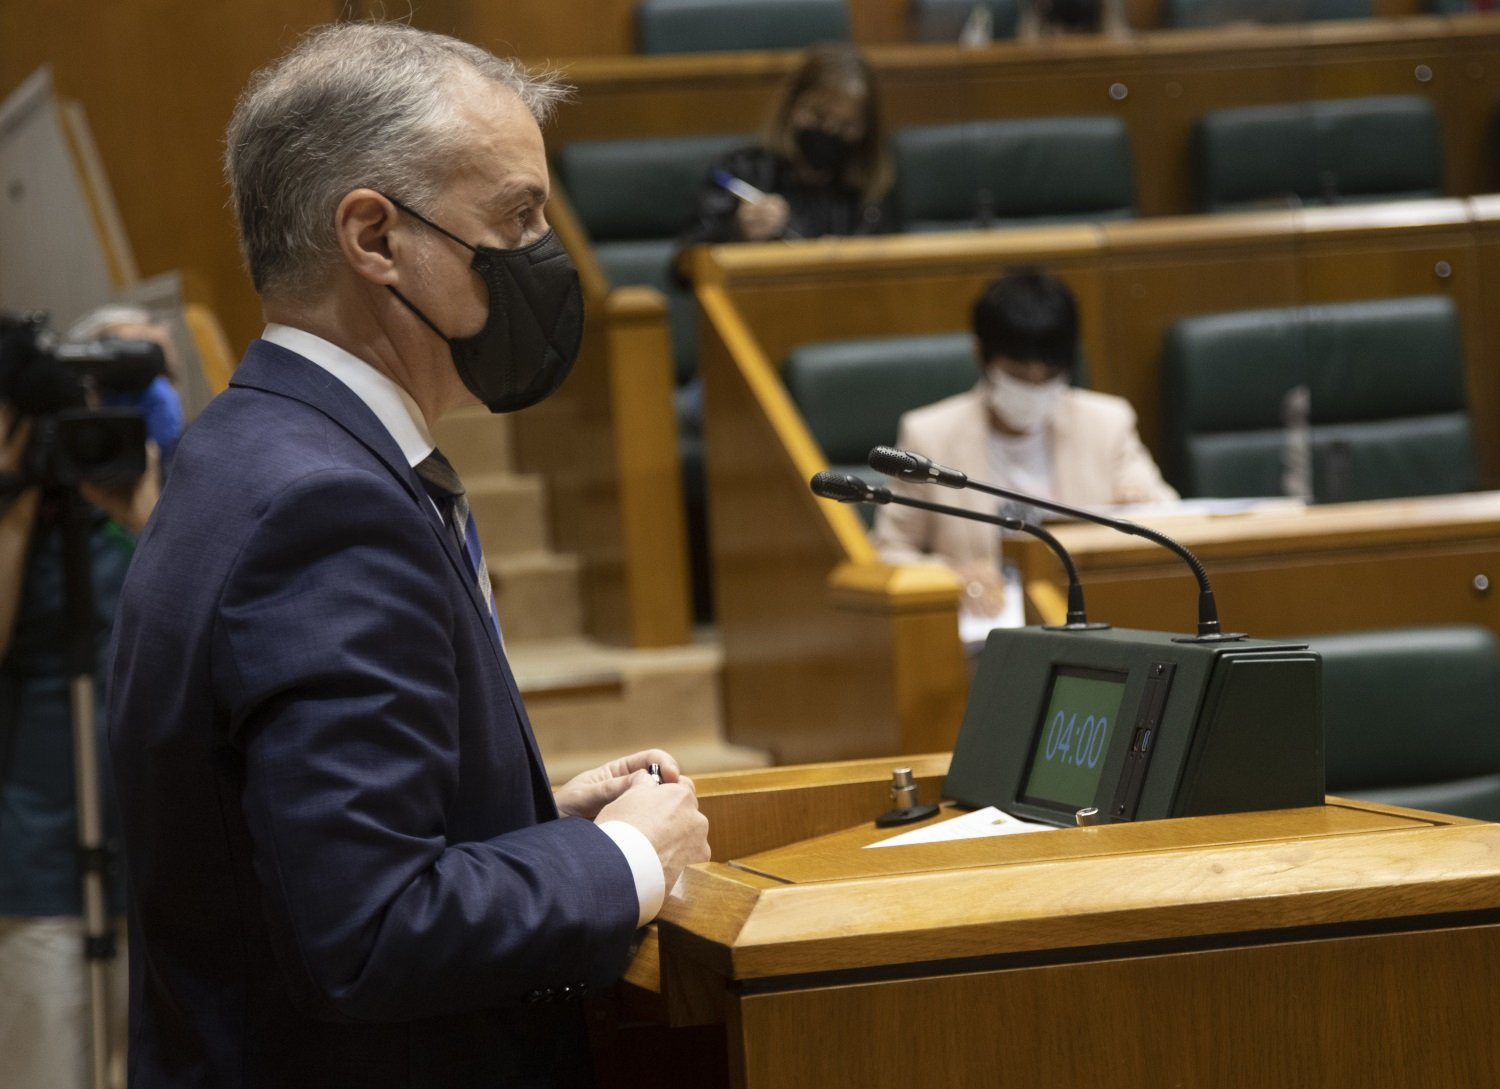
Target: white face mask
(1026, 407)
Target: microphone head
(893, 462)
(846, 488)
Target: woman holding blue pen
(821, 167)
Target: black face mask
(822, 150)
(530, 338)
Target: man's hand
(667, 815)
(590, 791)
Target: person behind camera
(1022, 427)
(45, 1034)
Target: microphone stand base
(1087, 625)
(905, 816)
(1216, 637)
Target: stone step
(590, 704)
(478, 442)
(538, 595)
(511, 512)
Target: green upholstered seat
(1319, 152)
(942, 20)
(852, 393)
(1413, 717)
(712, 26)
(633, 197)
(1388, 415)
(1007, 173)
(1199, 13)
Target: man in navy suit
(347, 865)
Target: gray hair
(351, 105)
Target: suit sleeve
(335, 655)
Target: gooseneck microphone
(848, 488)
(906, 465)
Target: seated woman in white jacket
(1022, 427)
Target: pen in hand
(746, 193)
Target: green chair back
(1009, 173)
(852, 393)
(1413, 717)
(1388, 414)
(1321, 152)
(1201, 13)
(712, 26)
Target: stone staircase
(588, 702)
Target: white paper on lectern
(979, 824)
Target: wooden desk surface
(829, 906)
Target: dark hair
(1030, 316)
(839, 65)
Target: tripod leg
(99, 938)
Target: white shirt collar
(392, 405)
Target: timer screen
(1074, 737)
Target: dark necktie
(448, 491)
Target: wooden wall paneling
(1483, 350)
(1327, 568)
(873, 22)
(1189, 74)
(1156, 273)
(1467, 89)
(157, 81)
(1423, 61)
(669, 95)
(539, 30)
(1290, 593)
(1049, 77)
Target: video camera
(54, 385)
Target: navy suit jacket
(345, 863)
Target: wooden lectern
(1345, 945)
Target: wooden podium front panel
(1388, 1011)
(1346, 945)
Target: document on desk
(979, 824)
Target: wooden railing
(607, 442)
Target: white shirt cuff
(645, 866)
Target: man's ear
(365, 223)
